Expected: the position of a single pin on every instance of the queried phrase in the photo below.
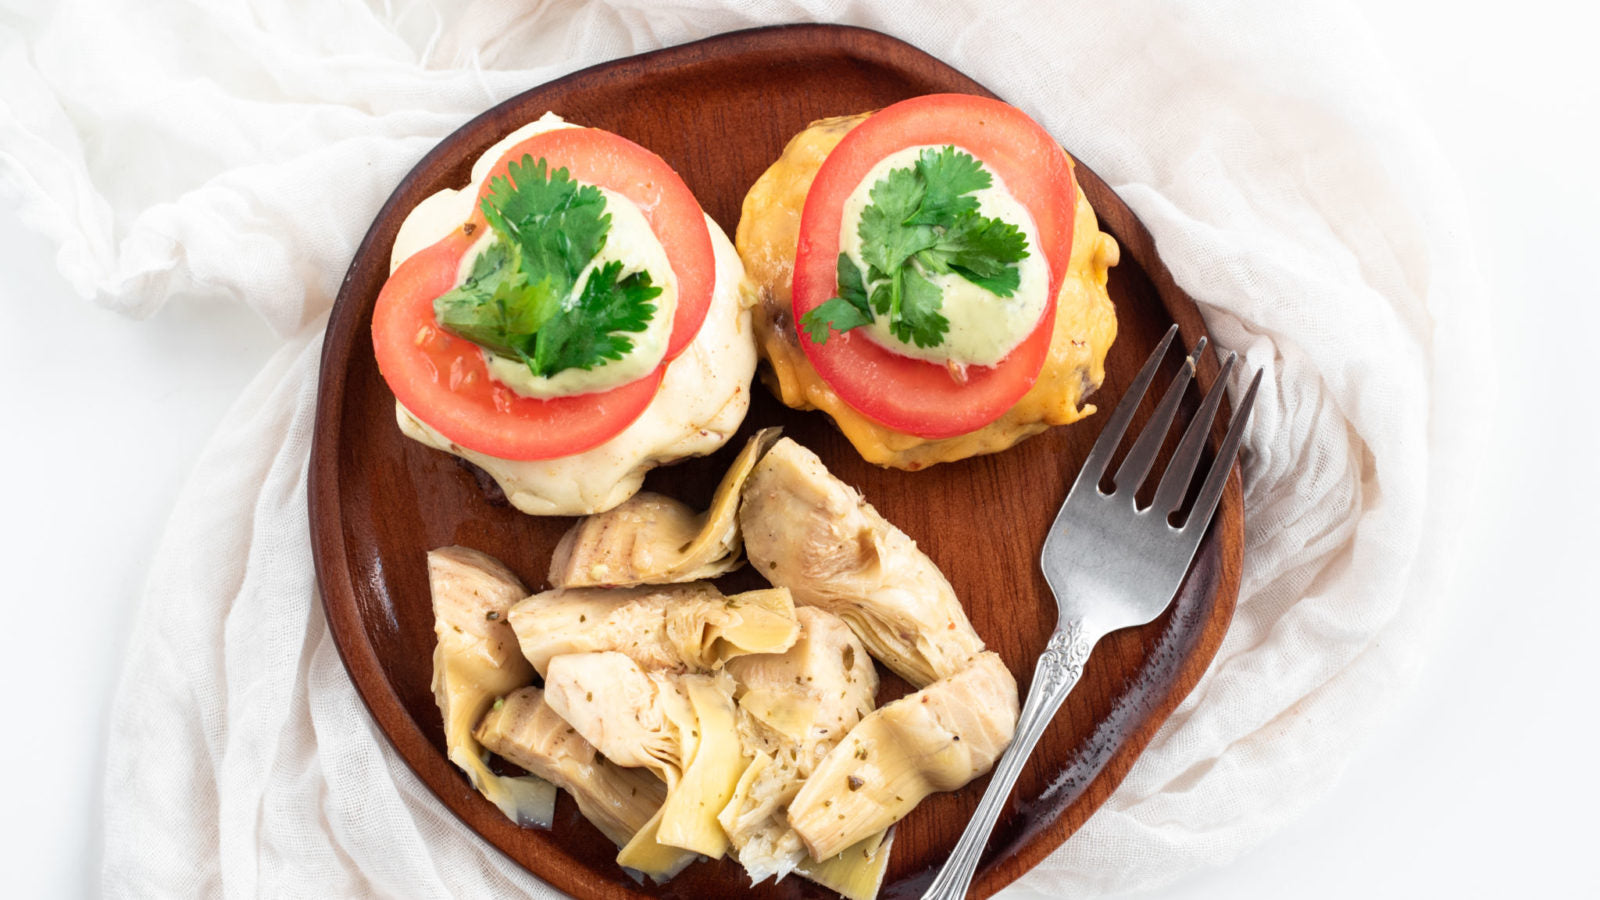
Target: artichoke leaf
(706, 634)
(857, 872)
(646, 854)
(689, 815)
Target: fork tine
(1206, 503)
(1175, 482)
(1104, 446)
(1136, 465)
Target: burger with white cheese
(567, 321)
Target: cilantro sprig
(519, 299)
(922, 220)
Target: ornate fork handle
(1059, 668)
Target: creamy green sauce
(631, 242)
(984, 327)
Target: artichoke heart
(476, 661)
(525, 730)
(686, 824)
(680, 726)
(666, 627)
(808, 697)
(795, 707)
(936, 739)
(652, 539)
(808, 531)
(636, 718)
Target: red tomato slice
(914, 396)
(442, 379)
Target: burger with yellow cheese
(932, 277)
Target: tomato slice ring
(443, 380)
(915, 396)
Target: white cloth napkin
(236, 151)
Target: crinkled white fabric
(236, 151)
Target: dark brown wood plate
(720, 111)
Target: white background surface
(1482, 784)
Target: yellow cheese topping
(1085, 325)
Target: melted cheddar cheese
(1085, 325)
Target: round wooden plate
(720, 111)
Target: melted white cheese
(701, 402)
(442, 213)
(984, 327)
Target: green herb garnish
(519, 299)
(922, 220)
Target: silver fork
(1110, 565)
